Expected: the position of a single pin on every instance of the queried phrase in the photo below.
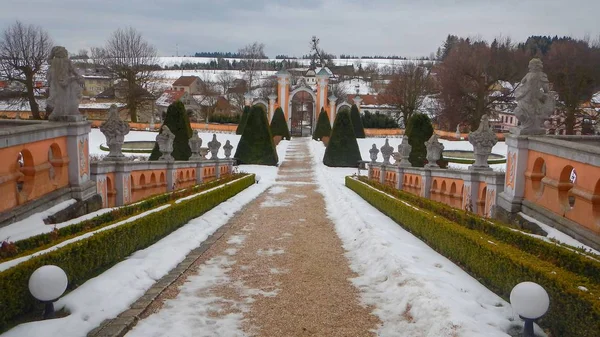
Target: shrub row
(499, 266)
(86, 258)
(557, 255)
(224, 119)
(42, 241)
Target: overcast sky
(370, 27)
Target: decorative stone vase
(213, 146)
(277, 139)
(403, 153)
(434, 151)
(203, 152)
(165, 141)
(325, 140)
(386, 152)
(373, 152)
(227, 149)
(195, 144)
(483, 140)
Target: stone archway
(342, 105)
(302, 108)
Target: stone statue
(114, 129)
(195, 144)
(386, 152)
(374, 152)
(214, 147)
(457, 134)
(65, 86)
(483, 139)
(403, 153)
(227, 147)
(534, 101)
(434, 151)
(165, 143)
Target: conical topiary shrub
(243, 121)
(323, 128)
(342, 150)
(256, 145)
(359, 130)
(179, 123)
(278, 125)
(418, 131)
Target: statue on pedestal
(114, 129)
(434, 151)
(165, 141)
(535, 103)
(483, 139)
(195, 144)
(65, 86)
(214, 145)
(373, 152)
(386, 152)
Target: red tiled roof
(368, 99)
(185, 81)
(169, 96)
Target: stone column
(322, 81)
(382, 170)
(79, 160)
(400, 181)
(171, 176)
(332, 101)
(199, 173)
(283, 91)
(471, 191)
(516, 166)
(272, 99)
(426, 183)
(123, 183)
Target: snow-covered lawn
(112, 292)
(415, 290)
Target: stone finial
(165, 143)
(534, 101)
(227, 147)
(114, 129)
(374, 152)
(483, 139)
(195, 144)
(213, 146)
(403, 153)
(65, 86)
(434, 151)
(386, 152)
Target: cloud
(383, 27)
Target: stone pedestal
(79, 160)
(516, 166)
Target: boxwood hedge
(499, 266)
(84, 259)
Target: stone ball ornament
(48, 283)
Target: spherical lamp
(47, 284)
(257, 178)
(531, 302)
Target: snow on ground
(112, 292)
(463, 145)
(33, 224)
(413, 288)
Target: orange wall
(36, 174)
(412, 183)
(447, 190)
(552, 191)
(145, 183)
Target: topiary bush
(278, 125)
(342, 150)
(359, 130)
(243, 121)
(179, 123)
(378, 121)
(256, 145)
(323, 128)
(418, 131)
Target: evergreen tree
(243, 121)
(323, 128)
(179, 123)
(359, 130)
(278, 125)
(418, 131)
(256, 145)
(342, 150)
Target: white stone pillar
(332, 101)
(283, 92)
(272, 99)
(516, 165)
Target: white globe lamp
(47, 284)
(257, 178)
(531, 302)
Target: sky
(356, 27)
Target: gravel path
(279, 271)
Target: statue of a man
(114, 129)
(534, 101)
(65, 84)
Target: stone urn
(203, 152)
(277, 139)
(325, 140)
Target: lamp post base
(49, 310)
(528, 328)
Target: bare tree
(24, 50)
(268, 87)
(319, 58)
(129, 58)
(407, 89)
(252, 55)
(225, 80)
(340, 91)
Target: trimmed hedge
(243, 121)
(497, 265)
(323, 128)
(418, 130)
(178, 122)
(39, 242)
(278, 125)
(84, 259)
(342, 150)
(256, 145)
(557, 255)
(359, 130)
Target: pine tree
(342, 150)
(256, 144)
(179, 123)
(243, 121)
(278, 125)
(323, 128)
(418, 131)
(359, 130)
